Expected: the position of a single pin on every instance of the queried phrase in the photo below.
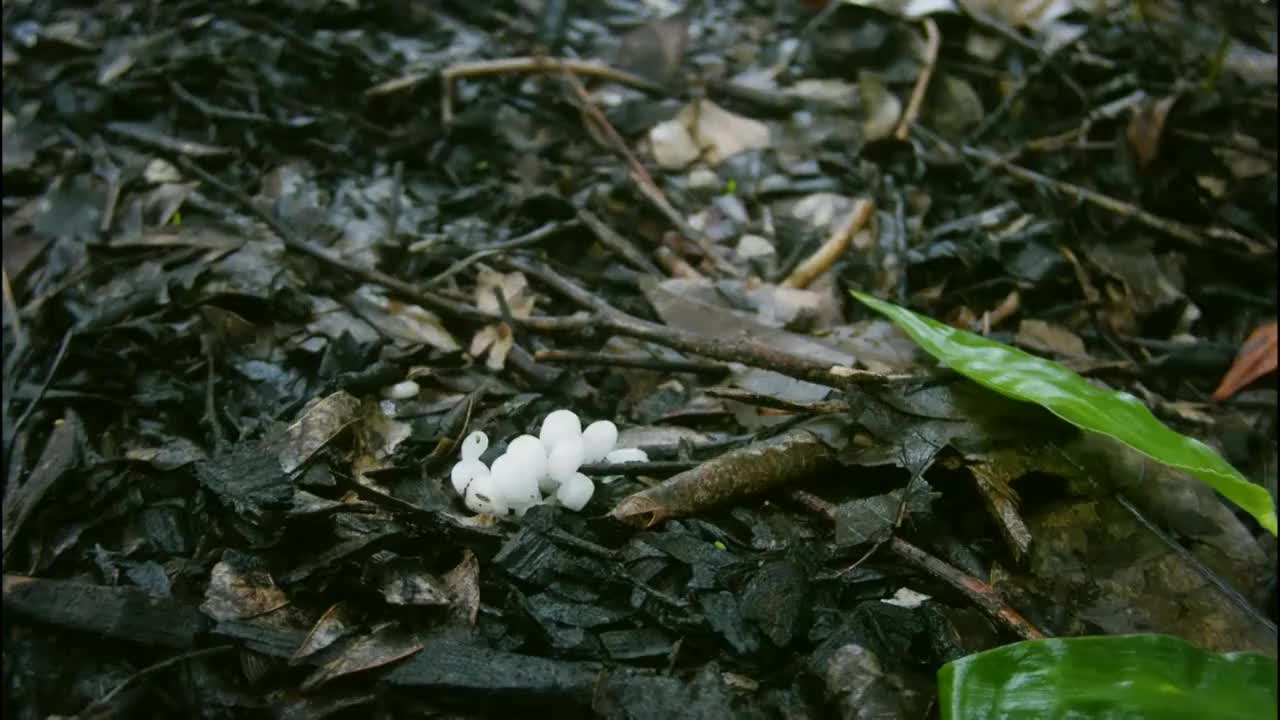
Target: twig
(1193, 237)
(1232, 595)
(1266, 154)
(505, 66)
(835, 246)
(99, 708)
(640, 176)
(533, 237)
(990, 24)
(617, 242)
(1080, 133)
(11, 312)
(542, 377)
(978, 592)
(744, 350)
(898, 517)
(44, 387)
(656, 468)
(676, 266)
(393, 212)
(821, 407)
(604, 318)
(377, 277)
(756, 468)
(1018, 89)
(934, 40)
(641, 362)
(210, 397)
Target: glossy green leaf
(1022, 376)
(1118, 676)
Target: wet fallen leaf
(1256, 358)
(1021, 376)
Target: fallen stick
(978, 592)
(796, 455)
(506, 66)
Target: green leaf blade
(1120, 676)
(1022, 376)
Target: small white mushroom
(474, 445)
(627, 455)
(514, 482)
(527, 443)
(465, 472)
(557, 426)
(576, 492)
(482, 497)
(401, 390)
(598, 440)
(565, 459)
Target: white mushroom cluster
(534, 470)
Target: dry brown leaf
(1256, 358)
(1146, 127)
(1049, 337)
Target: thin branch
(100, 707)
(44, 387)
(515, 65)
(407, 290)
(1018, 89)
(835, 246)
(604, 318)
(934, 40)
(644, 181)
(745, 350)
(11, 312)
(1191, 236)
(533, 237)
(977, 591)
(640, 362)
(992, 25)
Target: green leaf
(1022, 376)
(1119, 676)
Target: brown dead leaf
(1256, 358)
(1048, 337)
(493, 342)
(1146, 127)
(515, 291)
(463, 582)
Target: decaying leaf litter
(265, 268)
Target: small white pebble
(481, 497)
(514, 482)
(576, 492)
(465, 472)
(626, 455)
(557, 426)
(565, 459)
(598, 440)
(401, 390)
(474, 445)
